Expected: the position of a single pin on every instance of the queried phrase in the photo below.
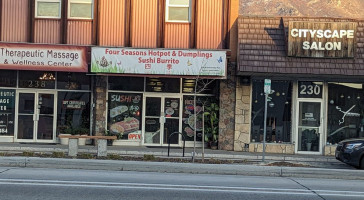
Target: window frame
(80, 2)
(178, 6)
(48, 1)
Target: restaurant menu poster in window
(125, 114)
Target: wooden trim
(48, 19)
(161, 24)
(97, 137)
(193, 31)
(81, 20)
(1, 20)
(95, 23)
(64, 23)
(129, 15)
(31, 21)
(225, 39)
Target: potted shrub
(212, 125)
(65, 130)
(81, 131)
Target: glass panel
(45, 127)
(171, 107)
(178, 14)
(309, 89)
(25, 126)
(152, 131)
(48, 9)
(8, 78)
(73, 81)
(309, 114)
(46, 104)
(73, 112)
(126, 83)
(279, 112)
(179, 2)
(7, 112)
(345, 112)
(204, 86)
(171, 85)
(26, 103)
(308, 139)
(153, 106)
(125, 115)
(81, 10)
(171, 126)
(36, 79)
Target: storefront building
(316, 68)
(62, 70)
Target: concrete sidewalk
(317, 161)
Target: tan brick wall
(330, 150)
(272, 148)
(242, 117)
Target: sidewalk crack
(4, 171)
(309, 189)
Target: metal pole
(203, 133)
(265, 125)
(195, 131)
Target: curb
(193, 168)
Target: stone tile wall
(242, 117)
(100, 105)
(330, 150)
(272, 148)
(227, 109)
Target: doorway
(309, 127)
(35, 118)
(161, 119)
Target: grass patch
(28, 154)
(114, 157)
(58, 155)
(86, 156)
(3, 153)
(148, 157)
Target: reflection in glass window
(125, 115)
(37, 79)
(73, 81)
(80, 9)
(73, 115)
(178, 10)
(171, 85)
(48, 8)
(7, 111)
(345, 112)
(278, 115)
(204, 86)
(8, 78)
(125, 83)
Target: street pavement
(315, 165)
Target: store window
(178, 11)
(278, 114)
(48, 8)
(8, 78)
(73, 112)
(73, 81)
(204, 86)
(126, 83)
(345, 112)
(80, 9)
(7, 111)
(169, 85)
(125, 115)
(37, 79)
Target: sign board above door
(322, 39)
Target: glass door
(35, 117)
(162, 118)
(309, 127)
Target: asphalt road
(55, 184)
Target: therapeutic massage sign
(322, 40)
(159, 62)
(43, 57)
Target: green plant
(86, 156)
(114, 157)
(211, 123)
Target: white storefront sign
(158, 62)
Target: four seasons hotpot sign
(159, 62)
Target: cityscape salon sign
(322, 39)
